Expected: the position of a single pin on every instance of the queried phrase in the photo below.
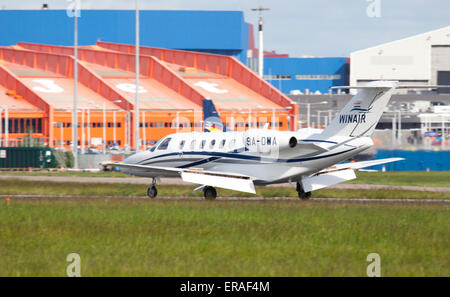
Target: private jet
(238, 161)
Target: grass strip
(194, 238)
(22, 187)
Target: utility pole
(6, 127)
(75, 89)
(260, 40)
(104, 128)
(394, 136)
(399, 131)
(144, 136)
(136, 105)
(1, 127)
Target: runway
(242, 199)
(177, 181)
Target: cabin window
(232, 144)
(165, 144)
(182, 144)
(202, 145)
(222, 143)
(193, 142)
(212, 144)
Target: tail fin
(361, 114)
(211, 118)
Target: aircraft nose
(131, 159)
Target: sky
(324, 28)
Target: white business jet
(241, 160)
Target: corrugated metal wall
(221, 32)
(307, 69)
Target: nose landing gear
(152, 192)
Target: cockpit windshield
(153, 147)
(164, 144)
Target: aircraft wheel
(210, 193)
(152, 192)
(301, 193)
(304, 195)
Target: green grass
(66, 173)
(404, 178)
(23, 187)
(205, 238)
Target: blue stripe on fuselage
(216, 155)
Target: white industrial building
(423, 59)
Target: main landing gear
(209, 193)
(152, 192)
(301, 193)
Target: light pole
(260, 40)
(61, 130)
(6, 108)
(82, 130)
(326, 117)
(399, 133)
(144, 136)
(136, 112)
(104, 128)
(308, 110)
(114, 128)
(104, 125)
(75, 90)
(1, 127)
(394, 122)
(6, 127)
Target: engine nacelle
(269, 141)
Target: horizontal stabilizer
(339, 173)
(219, 180)
(325, 180)
(363, 164)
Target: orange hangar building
(37, 94)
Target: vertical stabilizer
(361, 114)
(211, 118)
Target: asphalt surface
(246, 199)
(175, 181)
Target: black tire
(304, 195)
(301, 193)
(209, 193)
(152, 192)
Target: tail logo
(358, 117)
(357, 107)
(213, 124)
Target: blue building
(312, 74)
(219, 32)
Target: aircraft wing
(359, 165)
(223, 180)
(339, 173)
